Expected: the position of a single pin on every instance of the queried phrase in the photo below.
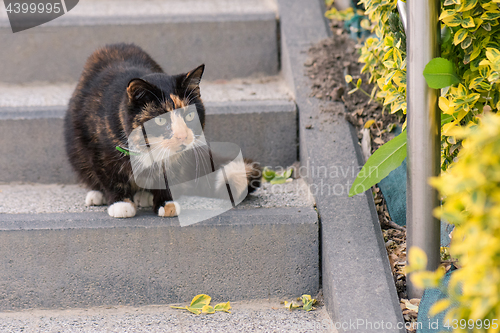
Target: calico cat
(120, 90)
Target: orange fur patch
(178, 102)
(170, 209)
(131, 202)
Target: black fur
(120, 89)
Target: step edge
(146, 219)
(90, 21)
(212, 108)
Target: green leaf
(387, 158)
(223, 307)
(268, 174)
(288, 173)
(460, 35)
(468, 22)
(467, 5)
(291, 306)
(207, 309)
(193, 310)
(278, 180)
(489, 16)
(445, 34)
(308, 305)
(200, 304)
(306, 298)
(452, 20)
(466, 43)
(199, 301)
(440, 73)
(486, 26)
(446, 118)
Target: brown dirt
(328, 64)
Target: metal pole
(402, 13)
(424, 133)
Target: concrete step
(233, 38)
(257, 114)
(246, 316)
(57, 253)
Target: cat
(121, 90)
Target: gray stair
(258, 115)
(57, 253)
(246, 316)
(234, 38)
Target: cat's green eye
(190, 116)
(160, 121)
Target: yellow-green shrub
(471, 192)
(384, 55)
(470, 40)
(470, 186)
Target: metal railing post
(424, 133)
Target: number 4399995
(32, 8)
(471, 324)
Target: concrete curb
(357, 282)
(72, 260)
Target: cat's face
(166, 112)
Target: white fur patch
(236, 176)
(94, 198)
(122, 209)
(170, 209)
(143, 199)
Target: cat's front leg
(95, 198)
(143, 198)
(163, 205)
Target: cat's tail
(253, 173)
(239, 178)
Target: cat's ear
(192, 79)
(139, 90)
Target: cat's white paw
(170, 209)
(236, 173)
(143, 199)
(94, 198)
(122, 209)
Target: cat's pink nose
(181, 136)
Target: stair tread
(245, 317)
(56, 198)
(45, 94)
(180, 10)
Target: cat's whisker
(196, 164)
(201, 162)
(189, 96)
